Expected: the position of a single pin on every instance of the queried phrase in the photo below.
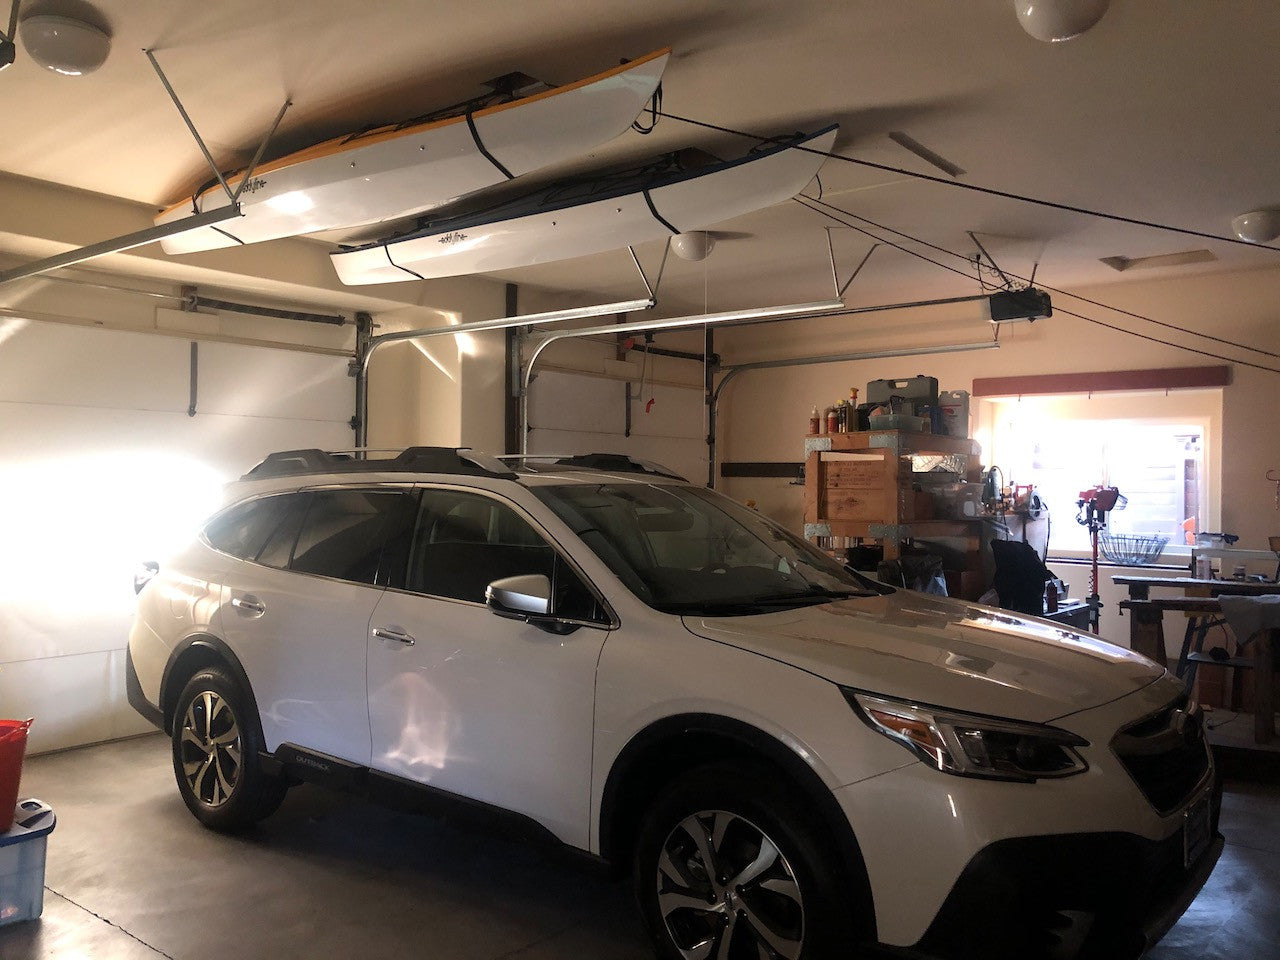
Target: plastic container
(22, 858)
(897, 421)
(954, 405)
(13, 746)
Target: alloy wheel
(210, 748)
(726, 892)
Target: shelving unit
(859, 485)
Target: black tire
(215, 754)
(801, 903)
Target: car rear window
(242, 529)
(344, 533)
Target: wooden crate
(855, 487)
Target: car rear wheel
(730, 865)
(215, 754)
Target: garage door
(571, 414)
(101, 467)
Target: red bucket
(13, 744)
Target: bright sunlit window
(1157, 450)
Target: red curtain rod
(1169, 378)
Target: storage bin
(22, 858)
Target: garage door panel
(573, 414)
(100, 468)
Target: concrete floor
(132, 876)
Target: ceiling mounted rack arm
(652, 288)
(262, 148)
(835, 275)
(231, 195)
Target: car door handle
(385, 633)
(249, 606)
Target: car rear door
(487, 708)
(297, 616)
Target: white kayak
(581, 217)
(398, 170)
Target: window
(465, 541)
(242, 529)
(1156, 449)
(344, 533)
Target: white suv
(792, 760)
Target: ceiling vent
(1163, 260)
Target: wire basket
(1132, 549)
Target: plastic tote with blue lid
(22, 856)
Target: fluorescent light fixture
(1180, 259)
(65, 45)
(912, 145)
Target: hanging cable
(1065, 293)
(1078, 316)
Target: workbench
(1199, 600)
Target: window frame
(610, 619)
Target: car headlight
(970, 745)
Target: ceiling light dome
(693, 246)
(65, 45)
(1260, 226)
(1055, 20)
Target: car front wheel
(215, 755)
(729, 865)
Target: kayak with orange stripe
(402, 169)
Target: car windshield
(683, 549)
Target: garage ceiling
(1166, 111)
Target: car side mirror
(527, 598)
(521, 597)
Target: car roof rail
(609, 462)
(451, 460)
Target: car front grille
(1166, 754)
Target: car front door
(487, 708)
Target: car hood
(942, 652)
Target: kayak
(663, 197)
(397, 170)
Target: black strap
(386, 248)
(230, 236)
(656, 215)
(475, 135)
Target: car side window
(344, 533)
(242, 530)
(464, 541)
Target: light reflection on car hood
(944, 652)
